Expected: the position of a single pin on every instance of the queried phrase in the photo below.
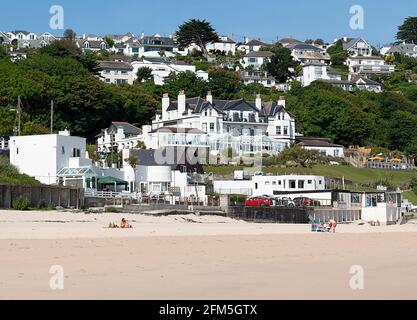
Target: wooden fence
(41, 196)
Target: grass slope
(10, 175)
(353, 174)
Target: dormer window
(103, 46)
(87, 45)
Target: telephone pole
(52, 116)
(19, 111)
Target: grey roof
(366, 80)
(351, 42)
(330, 70)
(303, 47)
(289, 40)
(404, 48)
(15, 32)
(34, 43)
(316, 142)
(157, 41)
(127, 127)
(227, 40)
(180, 159)
(93, 44)
(261, 54)
(198, 105)
(254, 42)
(115, 65)
(157, 59)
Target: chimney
(258, 102)
(345, 39)
(165, 105)
(181, 103)
(246, 39)
(281, 101)
(209, 97)
(65, 132)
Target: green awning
(112, 181)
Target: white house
(357, 47)
(21, 35)
(261, 77)
(322, 145)
(156, 44)
(34, 44)
(117, 137)
(244, 126)
(408, 49)
(43, 156)
(260, 185)
(383, 207)
(225, 45)
(120, 38)
(306, 53)
(368, 66)
(256, 59)
(4, 143)
(130, 49)
(162, 67)
(4, 39)
(91, 45)
(357, 83)
(116, 72)
(317, 71)
(156, 174)
(251, 45)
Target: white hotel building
(247, 127)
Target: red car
(258, 202)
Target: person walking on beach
(333, 225)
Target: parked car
(284, 202)
(272, 198)
(258, 202)
(305, 202)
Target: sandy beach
(190, 257)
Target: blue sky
(265, 19)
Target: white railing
(108, 194)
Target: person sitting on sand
(112, 225)
(125, 225)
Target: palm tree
(133, 162)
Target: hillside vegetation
(10, 175)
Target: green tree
(133, 162)
(337, 54)
(110, 42)
(144, 74)
(224, 84)
(280, 64)
(199, 32)
(69, 34)
(300, 156)
(61, 48)
(408, 30)
(187, 81)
